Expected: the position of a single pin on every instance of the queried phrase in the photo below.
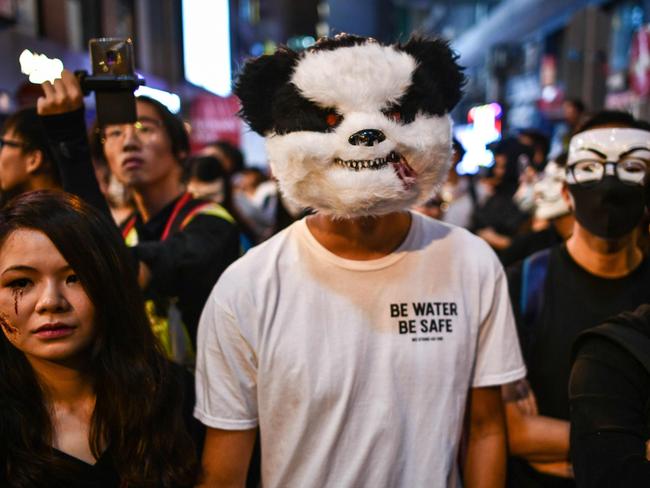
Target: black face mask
(609, 209)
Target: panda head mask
(355, 128)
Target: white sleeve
(498, 356)
(226, 371)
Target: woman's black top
(70, 472)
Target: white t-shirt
(357, 372)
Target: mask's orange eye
(333, 119)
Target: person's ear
(34, 162)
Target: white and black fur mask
(355, 128)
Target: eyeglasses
(630, 170)
(7, 142)
(145, 129)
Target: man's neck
(361, 238)
(603, 257)
(42, 182)
(564, 225)
(151, 199)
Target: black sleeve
(69, 143)
(196, 255)
(608, 394)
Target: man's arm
(226, 456)
(485, 463)
(61, 109)
(533, 437)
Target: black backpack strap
(629, 338)
(533, 279)
(184, 211)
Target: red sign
(640, 62)
(214, 118)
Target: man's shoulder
(442, 240)
(264, 254)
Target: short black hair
(205, 168)
(232, 152)
(613, 118)
(540, 140)
(577, 104)
(26, 124)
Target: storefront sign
(213, 118)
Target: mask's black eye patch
(402, 113)
(393, 113)
(292, 112)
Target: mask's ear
(257, 84)
(438, 78)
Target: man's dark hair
(138, 409)
(539, 139)
(205, 168)
(232, 152)
(614, 118)
(576, 103)
(561, 159)
(26, 124)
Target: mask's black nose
(366, 137)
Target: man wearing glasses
(557, 293)
(182, 244)
(26, 163)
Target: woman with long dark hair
(87, 398)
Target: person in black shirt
(561, 292)
(87, 397)
(609, 393)
(182, 244)
(498, 219)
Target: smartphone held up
(113, 80)
(113, 77)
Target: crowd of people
(174, 319)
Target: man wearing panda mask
(360, 338)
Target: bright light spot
(484, 128)
(169, 100)
(308, 41)
(206, 44)
(39, 67)
(257, 49)
(549, 92)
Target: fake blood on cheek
(18, 294)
